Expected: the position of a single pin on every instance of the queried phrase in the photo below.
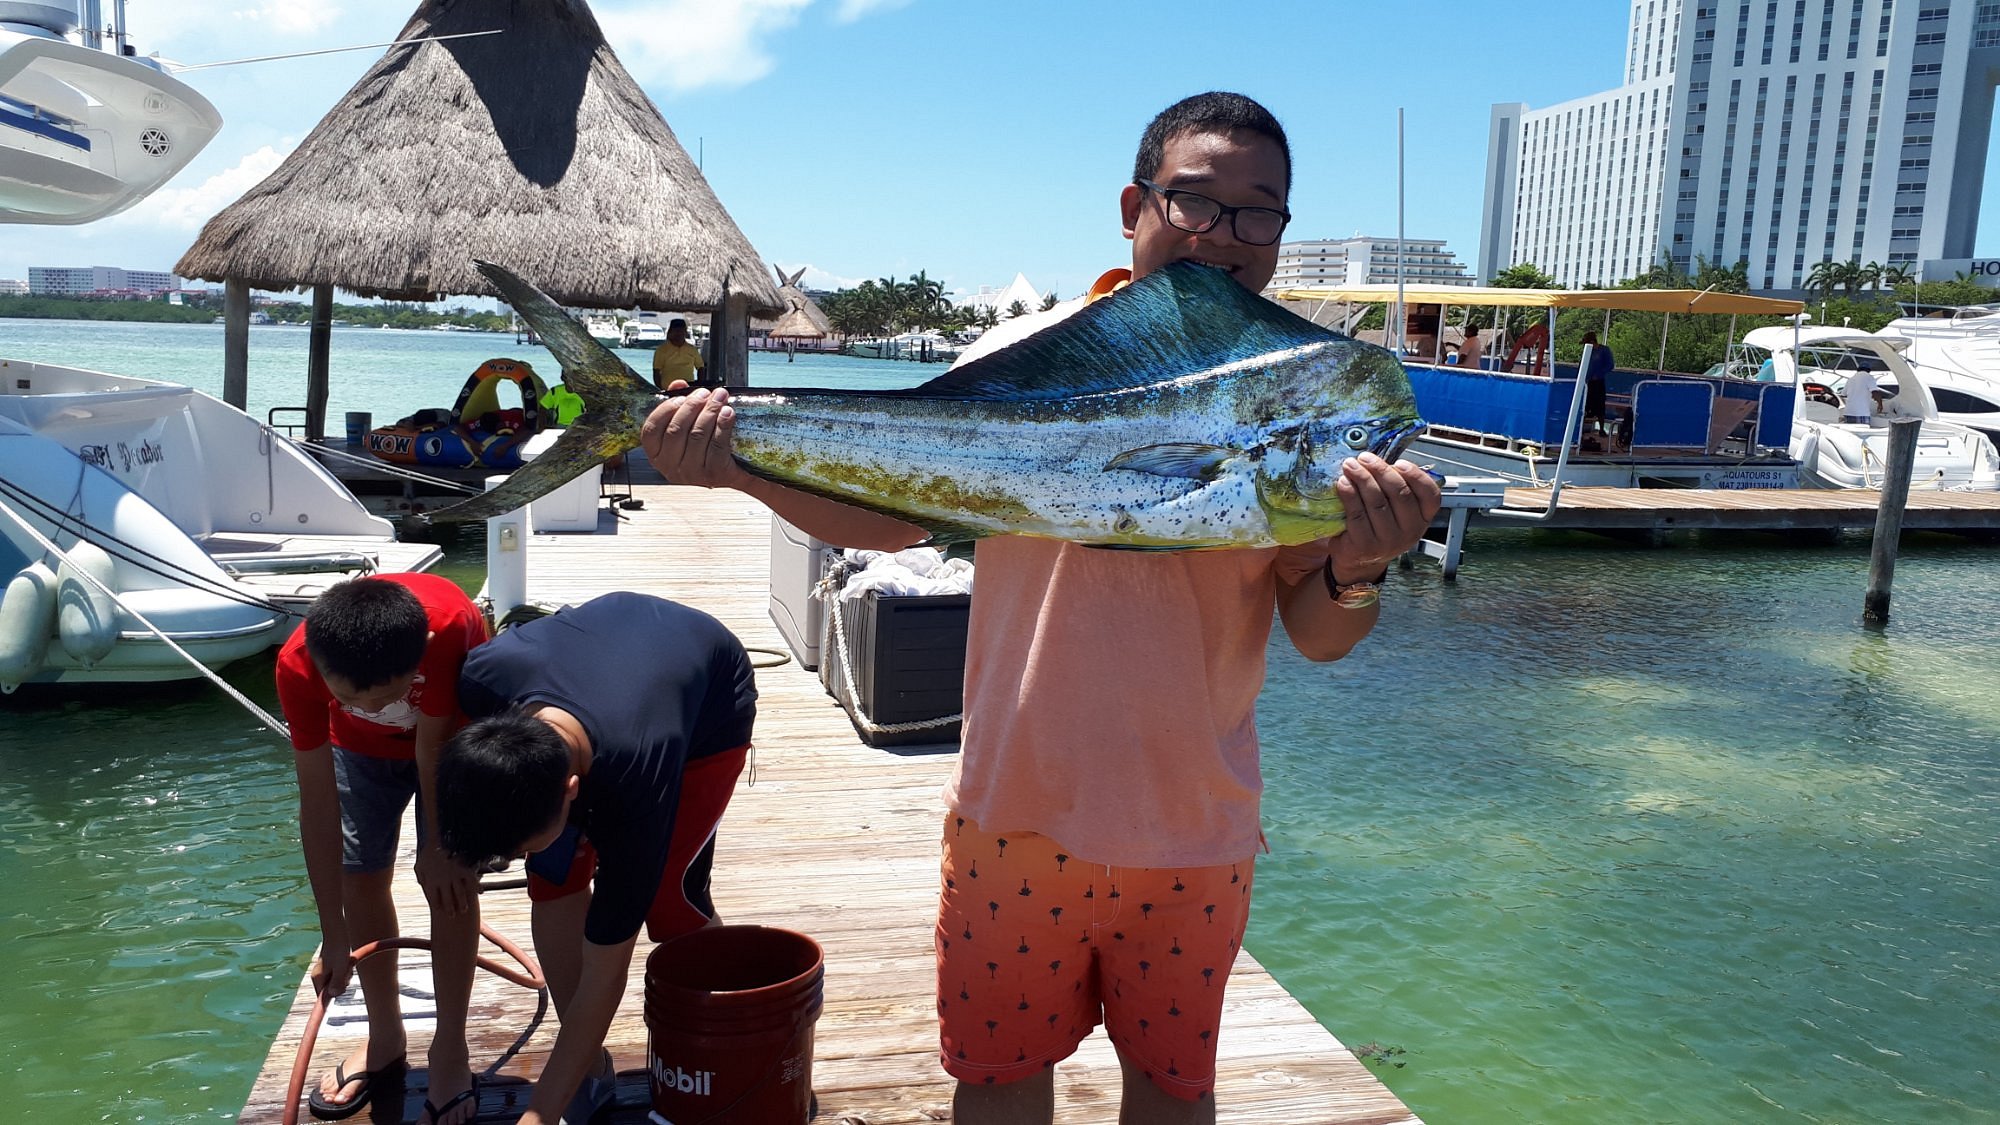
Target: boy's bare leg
(1147, 1104)
(371, 917)
(1031, 1101)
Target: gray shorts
(373, 794)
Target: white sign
(1985, 271)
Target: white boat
(1519, 417)
(1957, 354)
(604, 329)
(207, 523)
(643, 332)
(1836, 454)
(86, 133)
(137, 515)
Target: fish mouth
(1392, 444)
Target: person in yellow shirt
(677, 359)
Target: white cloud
(817, 278)
(188, 208)
(851, 10)
(859, 9)
(291, 17)
(688, 44)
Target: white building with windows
(1780, 133)
(13, 287)
(70, 281)
(1367, 261)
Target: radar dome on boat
(58, 19)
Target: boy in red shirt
(369, 687)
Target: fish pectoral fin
(1194, 460)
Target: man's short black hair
(367, 631)
(1214, 112)
(499, 781)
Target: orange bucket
(730, 1012)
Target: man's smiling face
(1236, 169)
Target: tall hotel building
(1781, 133)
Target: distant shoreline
(156, 311)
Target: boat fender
(86, 617)
(27, 624)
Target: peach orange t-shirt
(1110, 696)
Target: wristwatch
(1352, 595)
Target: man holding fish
(1103, 822)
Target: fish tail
(587, 441)
(589, 368)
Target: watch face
(1361, 595)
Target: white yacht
(604, 329)
(144, 526)
(200, 519)
(84, 132)
(1834, 454)
(1957, 354)
(643, 332)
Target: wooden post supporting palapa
(729, 339)
(1889, 518)
(236, 343)
(317, 347)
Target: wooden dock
(834, 839)
(1749, 509)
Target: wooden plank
(834, 839)
(1746, 509)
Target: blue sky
(969, 138)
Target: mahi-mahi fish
(1182, 411)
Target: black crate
(907, 653)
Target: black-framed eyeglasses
(1196, 213)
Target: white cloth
(1858, 396)
(917, 570)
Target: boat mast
(1399, 236)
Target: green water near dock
(1596, 834)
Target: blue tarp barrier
(1517, 406)
(1671, 413)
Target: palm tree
(1896, 275)
(1049, 300)
(1871, 276)
(1821, 278)
(1018, 308)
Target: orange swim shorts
(1035, 948)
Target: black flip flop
(434, 1113)
(341, 1111)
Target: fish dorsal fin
(1176, 320)
(589, 368)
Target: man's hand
(1388, 508)
(332, 970)
(688, 439)
(448, 886)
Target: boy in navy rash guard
(610, 771)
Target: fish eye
(1356, 437)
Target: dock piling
(1889, 518)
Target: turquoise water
(389, 373)
(1596, 834)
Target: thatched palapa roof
(803, 318)
(532, 148)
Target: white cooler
(797, 562)
(572, 507)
